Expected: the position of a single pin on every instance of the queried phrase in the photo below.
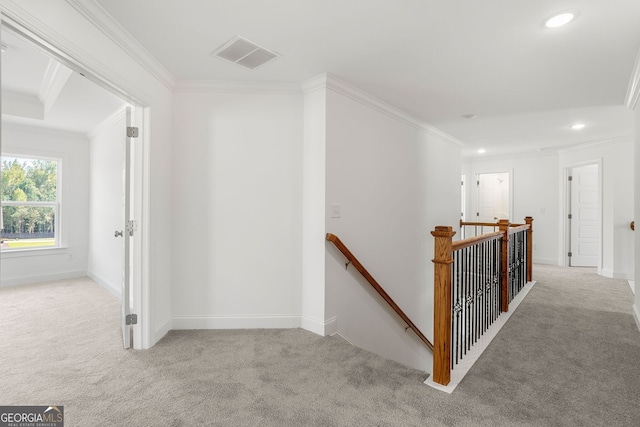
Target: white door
(584, 217)
(493, 197)
(126, 233)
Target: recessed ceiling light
(469, 116)
(578, 126)
(482, 151)
(559, 20)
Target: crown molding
(315, 83)
(8, 126)
(545, 151)
(356, 94)
(119, 114)
(633, 90)
(473, 157)
(96, 14)
(219, 86)
(594, 143)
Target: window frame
(57, 204)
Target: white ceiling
(436, 60)
(38, 91)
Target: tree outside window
(30, 203)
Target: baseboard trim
(344, 338)
(465, 364)
(116, 292)
(319, 327)
(161, 330)
(30, 280)
(632, 285)
(613, 275)
(636, 314)
(545, 261)
(331, 326)
(236, 322)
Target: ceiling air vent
(244, 53)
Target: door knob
(117, 234)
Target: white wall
(636, 198)
(617, 202)
(106, 213)
(534, 180)
(237, 210)
(71, 260)
(393, 182)
(539, 191)
(100, 55)
(313, 209)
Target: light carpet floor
(569, 356)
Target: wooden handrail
(516, 228)
(478, 224)
(461, 244)
(485, 224)
(353, 260)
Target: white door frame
(565, 226)
(47, 40)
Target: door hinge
(477, 213)
(569, 254)
(131, 319)
(132, 226)
(570, 178)
(478, 183)
(570, 216)
(132, 132)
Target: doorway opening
(67, 114)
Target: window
(30, 203)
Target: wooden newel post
(442, 304)
(529, 221)
(504, 277)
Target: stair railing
(369, 278)
(475, 279)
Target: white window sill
(18, 253)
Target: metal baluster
(459, 313)
(522, 259)
(489, 284)
(512, 256)
(456, 277)
(500, 273)
(472, 291)
(458, 288)
(519, 261)
(465, 328)
(496, 282)
(480, 291)
(526, 258)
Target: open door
(128, 318)
(126, 178)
